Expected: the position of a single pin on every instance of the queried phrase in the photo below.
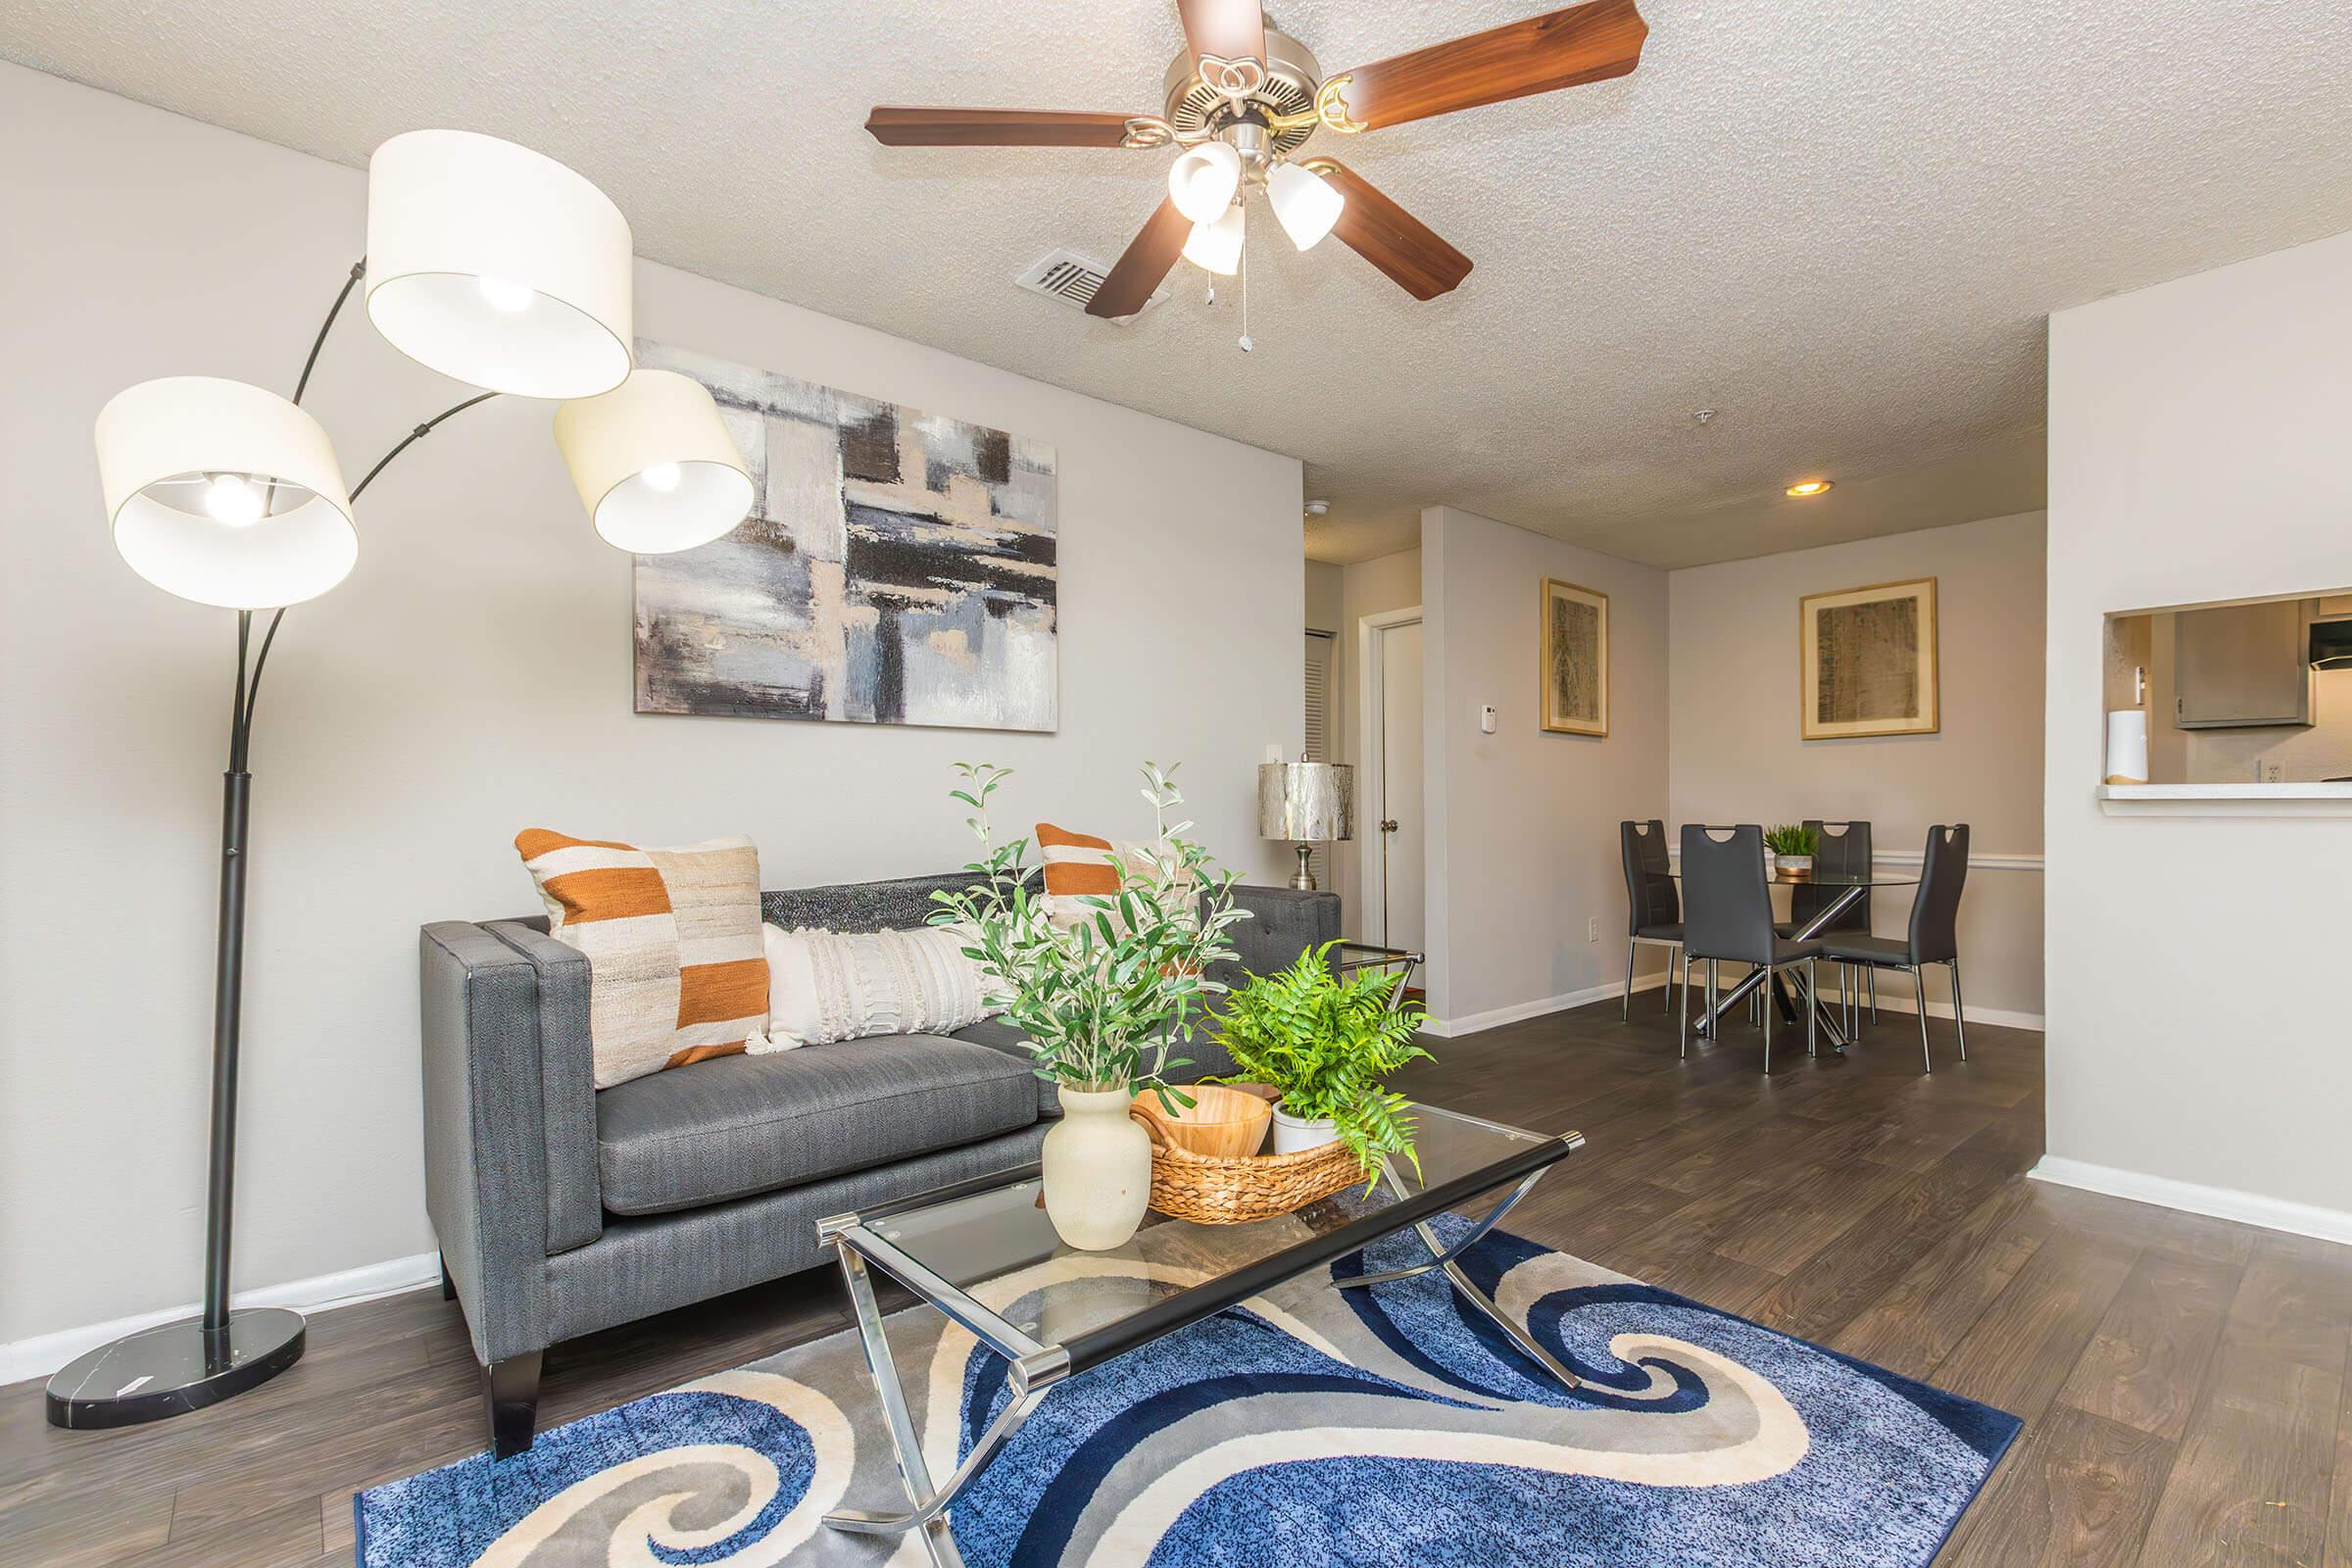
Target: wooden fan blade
(1391, 238)
(1568, 48)
(1228, 30)
(1128, 288)
(993, 127)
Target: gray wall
(1523, 824)
(2196, 1008)
(1737, 753)
(472, 678)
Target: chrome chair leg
(1871, 973)
(1768, 1012)
(1669, 997)
(1685, 1001)
(1714, 979)
(1919, 979)
(1959, 1016)
(1812, 1008)
(1627, 1012)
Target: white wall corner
(2191, 1197)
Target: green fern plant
(1330, 1044)
(1789, 840)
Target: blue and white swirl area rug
(1312, 1428)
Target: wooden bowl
(1221, 1123)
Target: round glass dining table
(1841, 890)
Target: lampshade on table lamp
(488, 263)
(1306, 803)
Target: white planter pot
(1294, 1134)
(1098, 1169)
(1794, 863)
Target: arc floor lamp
(502, 269)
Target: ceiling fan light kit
(1242, 99)
(1216, 247)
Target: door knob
(1388, 826)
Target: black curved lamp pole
(177, 1367)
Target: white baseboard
(1890, 1000)
(1897, 998)
(2218, 1202)
(1497, 1018)
(44, 1353)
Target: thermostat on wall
(1485, 720)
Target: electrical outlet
(1592, 929)
(2273, 772)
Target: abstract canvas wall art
(898, 568)
(1869, 660)
(1576, 659)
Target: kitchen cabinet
(2240, 667)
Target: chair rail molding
(1911, 859)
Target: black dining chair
(1934, 936)
(1727, 913)
(1842, 849)
(1653, 908)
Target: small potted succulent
(1790, 849)
(1327, 1046)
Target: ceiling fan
(1242, 100)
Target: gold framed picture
(1869, 657)
(1576, 659)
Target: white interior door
(1399, 903)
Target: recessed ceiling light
(1811, 487)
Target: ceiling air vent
(1068, 277)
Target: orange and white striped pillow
(1077, 867)
(677, 971)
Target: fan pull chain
(1246, 343)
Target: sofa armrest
(1284, 922)
(575, 1203)
(485, 1147)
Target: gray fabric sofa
(561, 1209)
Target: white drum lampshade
(224, 493)
(498, 266)
(654, 464)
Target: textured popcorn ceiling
(1838, 222)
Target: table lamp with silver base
(1306, 803)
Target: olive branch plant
(1102, 998)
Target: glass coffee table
(949, 1246)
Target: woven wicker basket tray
(1210, 1190)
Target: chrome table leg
(1444, 1257)
(927, 1511)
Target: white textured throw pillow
(824, 986)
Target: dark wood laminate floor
(2184, 1379)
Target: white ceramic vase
(1098, 1169)
(1294, 1134)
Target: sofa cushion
(1013, 1041)
(739, 1125)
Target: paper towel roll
(2128, 746)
